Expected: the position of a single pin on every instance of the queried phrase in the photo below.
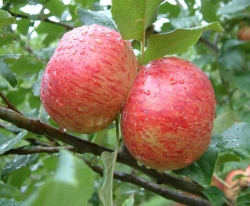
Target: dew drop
(50, 85)
(74, 52)
(181, 82)
(98, 41)
(62, 129)
(99, 121)
(172, 81)
(54, 74)
(76, 38)
(60, 48)
(60, 104)
(90, 123)
(106, 119)
(82, 40)
(93, 48)
(92, 34)
(82, 52)
(84, 33)
(70, 46)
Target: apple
(168, 115)
(244, 33)
(88, 78)
(235, 185)
(216, 182)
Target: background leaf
(6, 202)
(235, 137)
(106, 194)
(215, 195)
(91, 17)
(133, 17)
(129, 201)
(5, 19)
(7, 143)
(18, 163)
(175, 42)
(202, 170)
(71, 184)
(234, 6)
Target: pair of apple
(167, 107)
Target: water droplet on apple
(99, 121)
(79, 109)
(76, 38)
(60, 48)
(60, 104)
(90, 123)
(62, 129)
(98, 41)
(82, 52)
(74, 52)
(181, 82)
(92, 34)
(54, 74)
(93, 48)
(106, 119)
(172, 81)
(84, 33)
(50, 85)
(70, 46)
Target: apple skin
(88, 78)
(168, 115)
(244, 33)
(236, 185)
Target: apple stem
(142, 47)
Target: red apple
(168, 115)
(88, 78)
(244, 33)
(237, 184)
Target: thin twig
(68, 27)
(10, 105)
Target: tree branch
(48, 150)
(83, 146)
(153, 187)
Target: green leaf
(7, 143)
(215, 195)
(202, 170)
(18, 163)
(72, 184)
(129, 201)
(6, 202)
(106, 194)
(133, 17)
(175, 42)
(242, 81)
(5, 70)
(235, 137)
(234, 6)
(207, 9)
(91, 17)
(5, 19)
(6, 39)
(244, 198)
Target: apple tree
(49, 154)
